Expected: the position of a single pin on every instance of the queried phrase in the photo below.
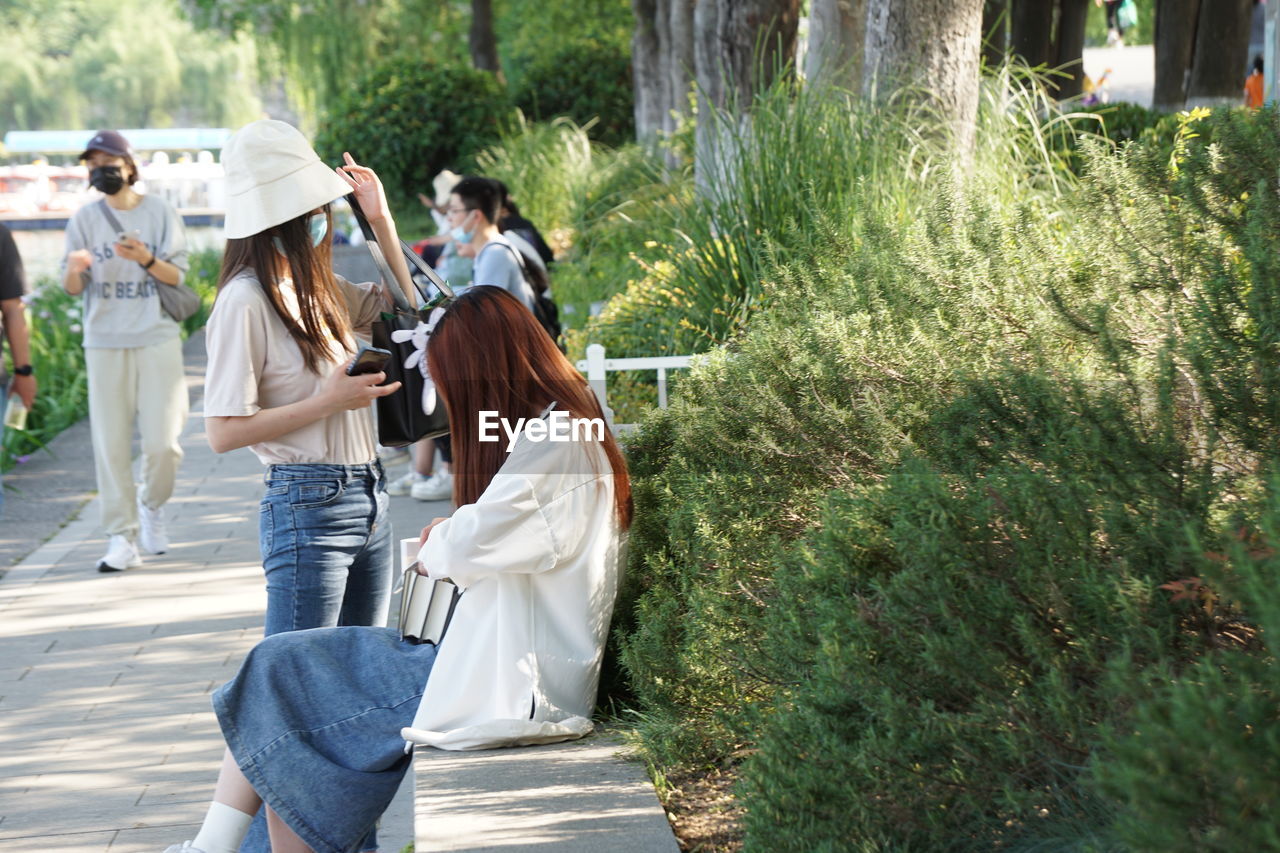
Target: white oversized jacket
(538, 559)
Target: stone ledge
(573, 797)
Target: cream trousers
(145, 384)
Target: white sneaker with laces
(121, 554)
(437, 487)
(184, 847)
(403, 484)
(153, 537)
(388, 455)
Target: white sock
(223, 829)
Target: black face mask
(106, 179)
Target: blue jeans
(326, 549)
(326, 546)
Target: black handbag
(402, 418)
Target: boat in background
(39, 195)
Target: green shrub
(826, 387)
(587, 80)
(959, 634)
(1197, 767)
(904, 538)
(408, 119)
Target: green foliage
(323, 49)
(911, 542)
(53, 319)
(1212, 729)
(1124, 122)
(586, 80)
(595, 205)
(1096, 25)
(803, 171)
(410, 119)
(130, 64)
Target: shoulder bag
(412, 413)
(177, 300)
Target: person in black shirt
(13, 322)
(510, 220)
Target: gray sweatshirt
(121, 304)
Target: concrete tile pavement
(107, 737)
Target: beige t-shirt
(254, 364)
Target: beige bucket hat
(273, 175)
(443, 185)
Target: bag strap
(111, 217)
(384, 269)
(524, 271)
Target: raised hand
(367, 188)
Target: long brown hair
(322, 309)
(489, 353)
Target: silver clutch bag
(426, 607)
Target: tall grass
(811, 167)
(595, 205)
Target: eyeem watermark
(558, 426)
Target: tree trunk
(937, 42)
(646, 71)
(1175, 39)
(484, 44)
(680, 62)
(1032, 27)
(1222, 52)
(739, 45)
(1070, 41)
(837, 31)
(995, 32)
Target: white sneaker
(403, 484)
(184, 847)
(387, 455)
(437, 487)
(153, 537)
(121, 554)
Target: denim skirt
(313, 719)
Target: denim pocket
(308, 494)
(266, 528)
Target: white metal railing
(596, 366)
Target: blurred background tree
(73, 64)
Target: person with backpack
(473, 216)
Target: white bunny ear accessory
(419, 335)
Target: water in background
(42, 251)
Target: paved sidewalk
(107, 738)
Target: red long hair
(489, 353)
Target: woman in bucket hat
(120, 251)
(282, 332)
(279, 339)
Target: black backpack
(544, 308)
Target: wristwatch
(24, 370)
(148, 264)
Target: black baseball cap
(109, 142)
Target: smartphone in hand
(125, 236)
(368, 360)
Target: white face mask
(318, 225)
(460, 234)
